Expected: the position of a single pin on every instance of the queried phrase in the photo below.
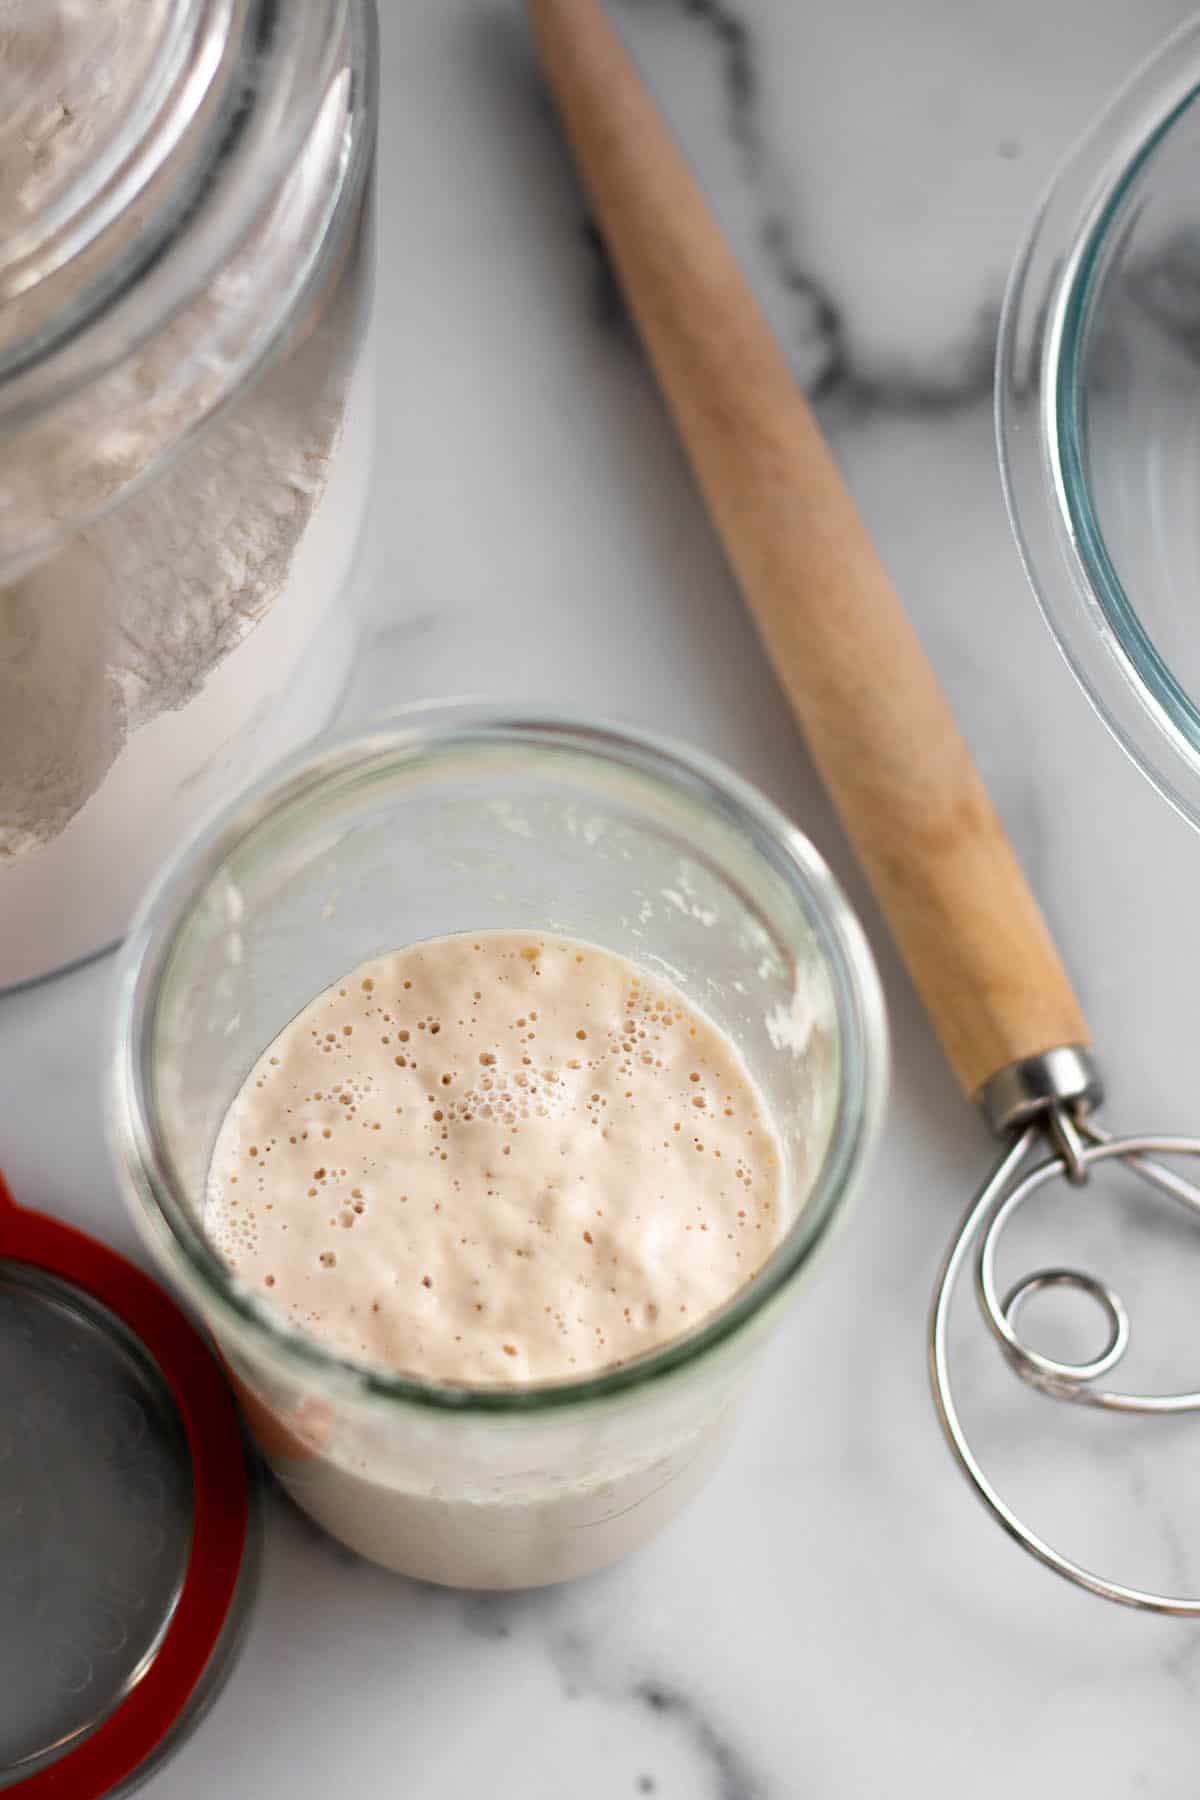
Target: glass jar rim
(1040, 430)
(409, 734)
(201, 121)
(113, 362)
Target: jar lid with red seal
(130, 1517)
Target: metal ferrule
(1065, 1078)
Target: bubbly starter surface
(497, 1158)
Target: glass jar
(451, 819)
(185, 427)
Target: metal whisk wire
(1083, 1145)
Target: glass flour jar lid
(92, 99)
(169, 174)
(129, 1517)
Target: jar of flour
(185, 426)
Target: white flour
(114, 729)
(128, 620)
(75, 894)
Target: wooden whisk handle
(876, 721)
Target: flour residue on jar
(499, 1157)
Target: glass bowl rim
(1041, 348)
(156, 1195)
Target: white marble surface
(834, 1616)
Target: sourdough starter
(498, 1159)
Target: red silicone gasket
(220, 1521)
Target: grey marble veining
(876, 166)
(834, 1617)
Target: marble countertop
(834, 1616)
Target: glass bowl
(1098, 415)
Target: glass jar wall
(452, 820)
